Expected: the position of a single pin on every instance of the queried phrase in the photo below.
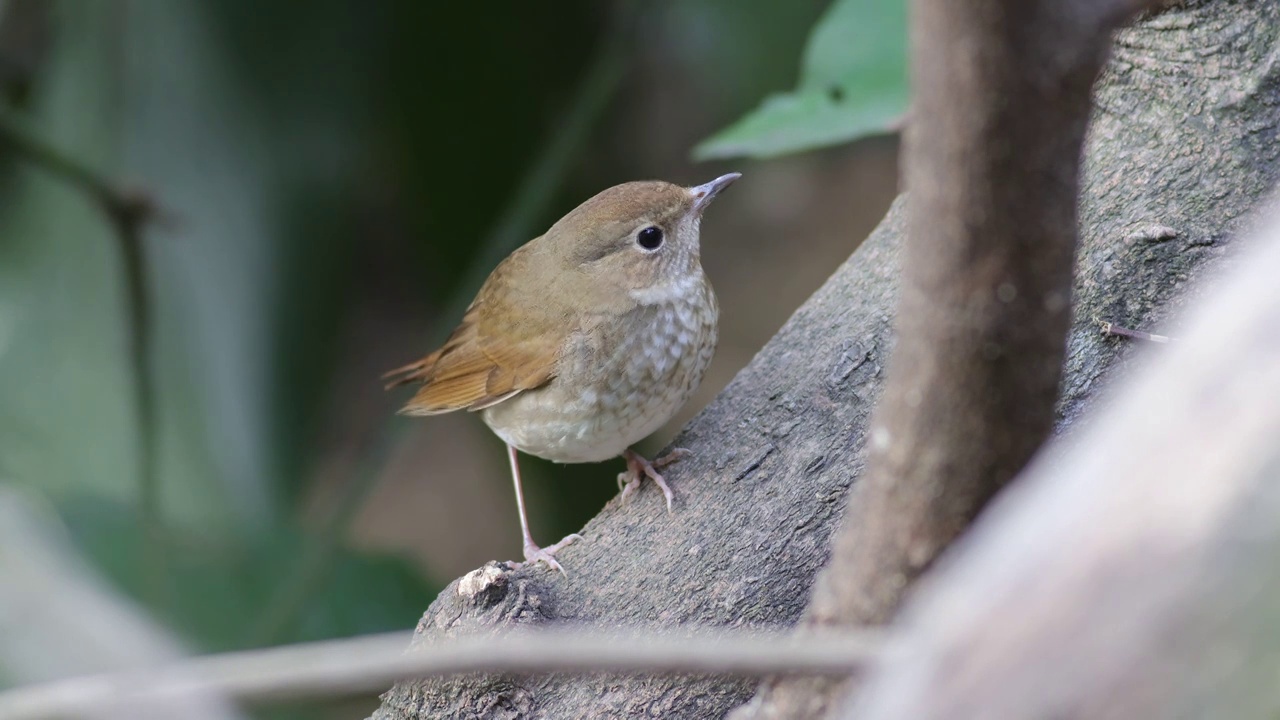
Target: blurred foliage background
(334, 180)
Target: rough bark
(1181, 147)
(1133, 575)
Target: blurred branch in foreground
(347, 667)
(128, 211)
(1132, 574)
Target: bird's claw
(534, 554)
(639, 468)
(675, 455)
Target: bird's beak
(704, 194)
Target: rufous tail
(416, 371)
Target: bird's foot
(534, 554)
(639, 468)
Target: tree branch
(347, 667)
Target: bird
(586, 339)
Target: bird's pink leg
(532, 553)
(638, 469)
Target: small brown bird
(585, 340)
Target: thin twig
(348, 667)
(1109, 328)
(128, 211)
(121, 205)
(531, 199)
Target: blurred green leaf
(738, 51)
(853, 82)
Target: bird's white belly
(644, 377)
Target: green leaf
(853, 82)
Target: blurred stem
(532, 198)
(128, 211)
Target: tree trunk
(1000, 104)
(1181, 148)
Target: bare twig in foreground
(345, 667)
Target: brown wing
(509, 341)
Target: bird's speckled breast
(617, 382)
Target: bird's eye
(650, 238)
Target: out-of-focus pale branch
(57, 619)
(1133, 573)
(345, 667)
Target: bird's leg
(638, 469)
(532, 553)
